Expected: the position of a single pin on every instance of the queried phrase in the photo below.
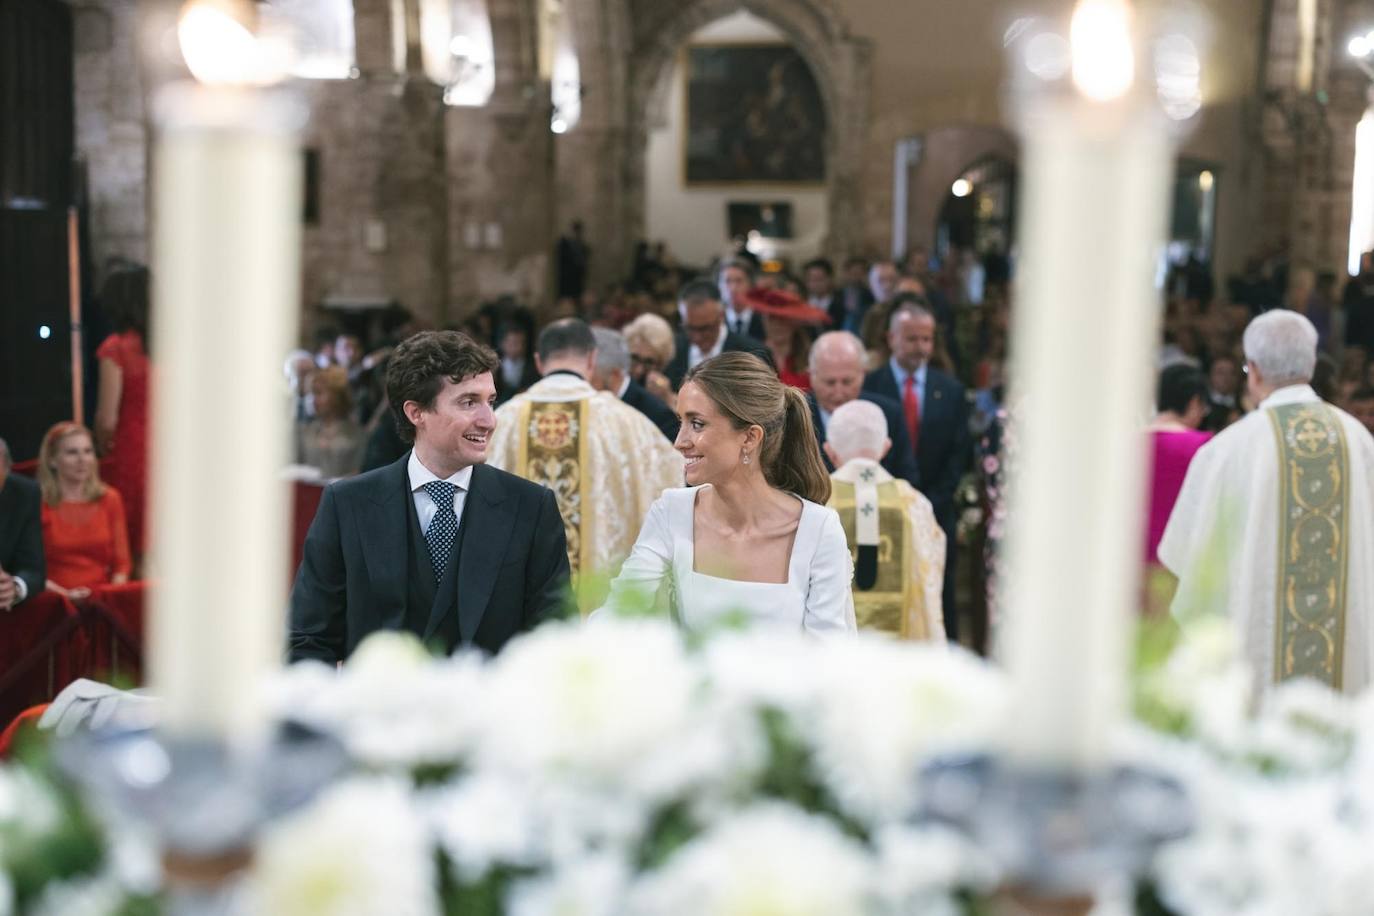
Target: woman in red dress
(121, 416)
(787, 323)
(84, 533)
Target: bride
(750, 534)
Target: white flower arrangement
(613, 770)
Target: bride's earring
(746, 458)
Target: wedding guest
(837, 377)
(121, 413)
(23, 571)
(517, 363)
(612, 373)
(750, 533)
(787, 330)
(651, 343)
(85, 536)
(898, 548)
(1182, 402)
(332, 439)
(734, 279)
(936, 415)
(704, 331)
(1361, 407)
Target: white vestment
(1222, 540)
(616, 464)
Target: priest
(897, 546)
(605, 462)
(1274, 525)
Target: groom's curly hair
(418, 367)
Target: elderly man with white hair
(898, 548)
(837, 365)
(1274, 525)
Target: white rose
(593, 886)
(360, 849)
(590, 704)
(770, 859)
(885, 708)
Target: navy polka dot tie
(443, 528)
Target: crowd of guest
(923, 341)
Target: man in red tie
(936, 415)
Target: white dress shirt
(695, 355)
(512, 370)
(424, 504)
(739, 321)
(919, 376)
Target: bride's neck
(741, 497)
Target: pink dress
(128, 458)
(1171, 453)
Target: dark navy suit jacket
(642, 400)
(942, 448)
(898, 461)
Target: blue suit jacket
(942, 449)
(898, 461)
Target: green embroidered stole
(1314, 543)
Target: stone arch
(946, 153)
(839, 62)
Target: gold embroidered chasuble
(605, 462)
(1274, 528)
(897, 548)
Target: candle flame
(220, 47)
(1103, 54)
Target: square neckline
(692, 545)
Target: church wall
(692, 220)
(381, 231)
(941, 65)
(111, 138)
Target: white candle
(1097, 163)
(226, 252)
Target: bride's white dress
(816, 596)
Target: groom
(437, 544)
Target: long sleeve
(121, 560)
(942, 488)
(318, 604)
(928, 556)
(28, 560)
(649, 564)
(548, 572)
(829, 595)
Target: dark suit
(942, 456)
(840, 313)
(21, 533)
(753, 327)
(733, 343)
(899, 462)
(528, 376)
(638, 397)
(366, 567)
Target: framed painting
(754, 114)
